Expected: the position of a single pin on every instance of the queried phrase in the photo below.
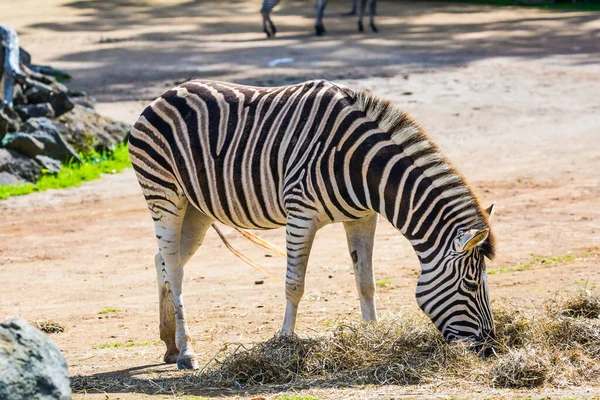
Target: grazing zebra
(304, 156)
(270, 29)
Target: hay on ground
(48, 326)
(535, 347)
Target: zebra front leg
(300, 234)
(361, 234)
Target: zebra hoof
(374, 28)
(361, 28)
(187, 362)
(170, 358)
(319, 30)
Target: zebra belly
(241, 211)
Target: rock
(87, 130)
(59, 100)
(9, 120)
(35, 110)
(23, 143)
(31, 365)
(82, 99)
(49, 164)
(49, 133)
(17, 168)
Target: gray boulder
(23, 143)
(35, 110)
(17, 168)
(87, 130)
(31, 365)
(49, 133)
(9, 120)
(58, 99)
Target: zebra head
(453, 291)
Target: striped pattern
(270, 29)
(304, 156)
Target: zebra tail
(242, 257)
(261, 242)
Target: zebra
(304, 156)
(270, 29)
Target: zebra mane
(405, 132)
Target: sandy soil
(510, 94)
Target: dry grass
(557, 346)
(552, 346)
(48, 326)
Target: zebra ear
(490, 210)
(472, 238)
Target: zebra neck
(427, 203)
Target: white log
(12, 71)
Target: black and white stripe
(270, 29)
(304, 156)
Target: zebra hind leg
(268, 26)
(169, 215)
(352, 11)
(166, 308)
(319, 27)
(361, 234)
(372, 12)
(361, 13)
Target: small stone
(259, 282)
(35, 110)
(9, 120)
(59, 100)
(49, 164)
(49, 133)
(17, 168)
(23, 143)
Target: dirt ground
(510, 94)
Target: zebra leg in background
(373, 11)
(300, 234)
(353, 9)
(361, 13)
(319, 27)
(168, 228)
(361, 234)
(268, 25)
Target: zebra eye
(470, 285)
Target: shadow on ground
(141, 48)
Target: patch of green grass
(384, 283)
(578, 6)
(539, 261)
(129, 343)
(109, 310)
(107, 345)
(93, 166)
